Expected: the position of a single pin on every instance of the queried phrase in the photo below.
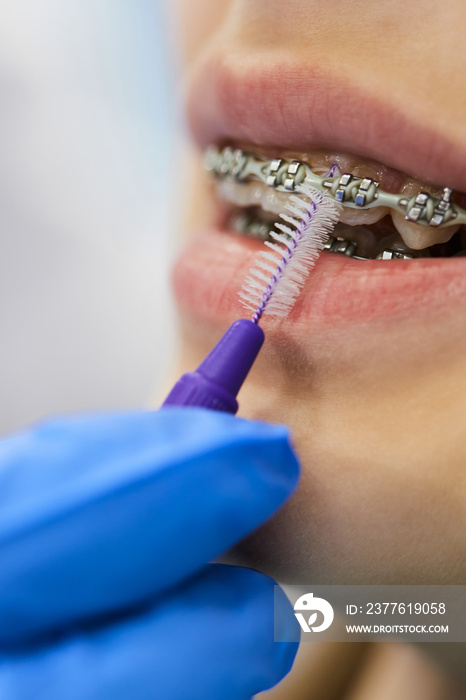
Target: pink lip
(339, 290)
(302, 107)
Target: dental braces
(423, 208)
(349, 248)
(335, 244)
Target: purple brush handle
(217, 380)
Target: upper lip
(289, 106)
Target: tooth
(417, 236)
(356, 217)
(274, 201)
(321, 164)
(244, 195)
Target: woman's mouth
(397, 250)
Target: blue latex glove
(106, 527)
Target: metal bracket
(367, 192)
(342, 192)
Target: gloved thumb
(101, 513)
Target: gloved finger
(212, 639)
(101, 513)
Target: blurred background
(87, 121)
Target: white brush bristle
(274, 283)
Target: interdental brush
(272, 287)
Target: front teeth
(246, 195)
(244, 180)
(273, 201)
(253, 194)
(256, 194)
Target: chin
(381, 443)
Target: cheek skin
(196, 23)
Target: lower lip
(211, 270)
